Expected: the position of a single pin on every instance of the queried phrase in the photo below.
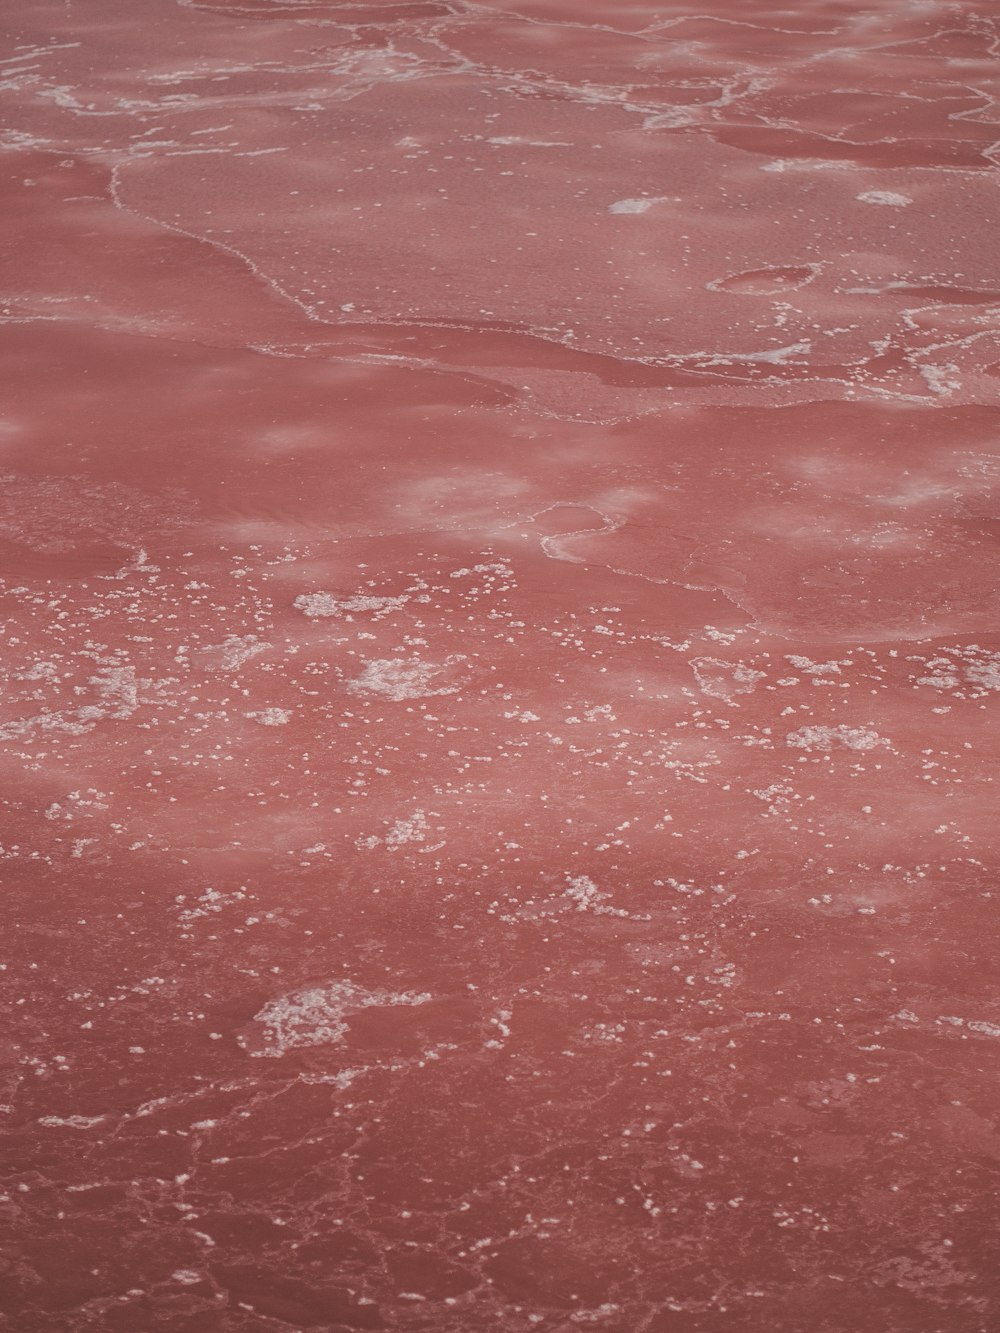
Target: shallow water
(498, 550)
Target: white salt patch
(939, 682)
(414, 829)
(985, 673)
(397, 678)
(943, 380)
(516, 140)
(815, 668)
(72, 1121)
(887, 198)
(46, 722)
(825, 738)
(234, 650)
(634, 205)
(589, 898)
(724, 975)
(595, 1316)
(318, 1016)
(599, 713)
(318, 604)
(778, 356)
(721, 680)
(117, 688)
(979, 668)
(500, 570)
(211, 902)
(270, 717)
(585, 893)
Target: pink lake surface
(499, 560)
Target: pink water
(498, 551)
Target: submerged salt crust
(498, 533)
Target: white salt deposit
(721, 680)
(827, 738)
(320, 604)
(398, 678)
(318, 1016)
(414, 829)
(634, 205)
(886, 198)
(270, 717)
